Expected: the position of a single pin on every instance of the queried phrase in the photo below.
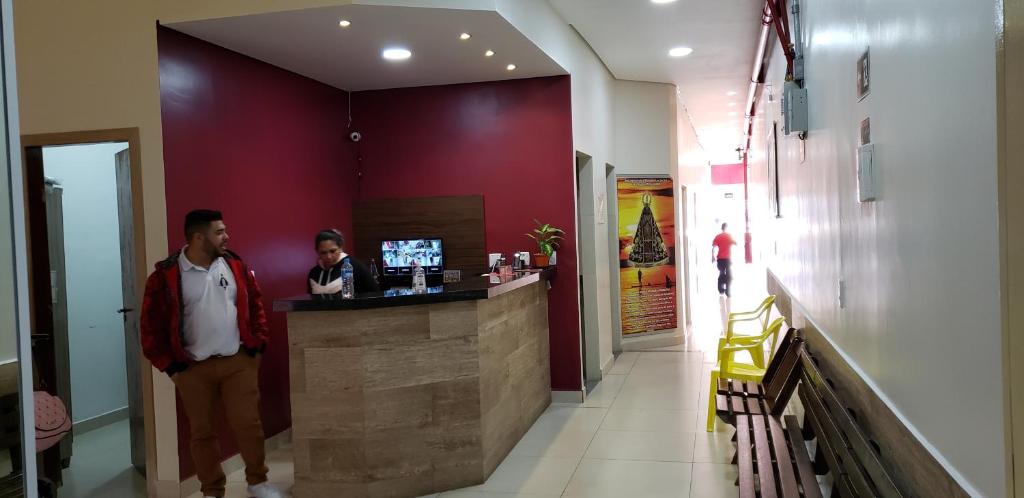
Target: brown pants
(234, 381)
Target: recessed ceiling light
(396, 54)
(733, 113)
(662, 1)
(680, 51)
(489, 53)
(465, 36)
(731, 93)
(344, 23)
(511, 67)
(732, 104)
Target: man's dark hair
(329, 234)
(724, 225)
(198, 220)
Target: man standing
(203, 324)
(723, 243)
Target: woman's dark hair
(330, 234)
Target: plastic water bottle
(347, 280)
(419, 280)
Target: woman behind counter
(325, 277)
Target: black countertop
(468, 290)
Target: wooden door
(129, 311)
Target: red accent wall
(508, 140)
(727, 174)
(268, 148)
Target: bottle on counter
(374, 273)
(419, 279)
(347, 280)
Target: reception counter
(397, 394)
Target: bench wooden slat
(814, 417)
(787, 480)
(808, 479)
(744, 459)
(765, 473)
(856, 441)
(840, 461)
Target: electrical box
(794, 108)
(866, 188)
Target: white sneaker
(264, 490)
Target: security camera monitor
(401, 256)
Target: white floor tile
(650, 420)
(653, 446)
(657, 398)
(531, 475)
(485, 494)
(624, 363)
(713, 480)
(605, 393)
(714, 447)
(618, 478)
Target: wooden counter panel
(513, 349)
(400, 402)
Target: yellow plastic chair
(762, 313)
(729, 368)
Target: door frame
(1010, 123)
(131, 136)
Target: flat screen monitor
(401, 256)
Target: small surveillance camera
(355, 136)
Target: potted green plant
(548, 239)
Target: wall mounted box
(866, 188)
(794, 108)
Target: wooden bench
(772, 394)
(774, 461)
(842, 447)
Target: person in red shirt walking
(723, 243)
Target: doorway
(87, 267)
(586, 237)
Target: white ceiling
(633, 38)
(350, 58)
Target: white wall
(593, 108)
(922, 318)
(646, 143)
(93, 266)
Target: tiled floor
(101, 465)
(639, 434)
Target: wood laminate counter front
(404, 400)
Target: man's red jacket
(163, 330)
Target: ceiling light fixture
(396, 54)
(465, 36)
(511, 67)
(344, 23)
(680, 52)
(662, 1)
(733, 113)
(731, 93)
(489, 53)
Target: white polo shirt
(211, 318)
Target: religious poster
(647, 267)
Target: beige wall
(89, 66)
